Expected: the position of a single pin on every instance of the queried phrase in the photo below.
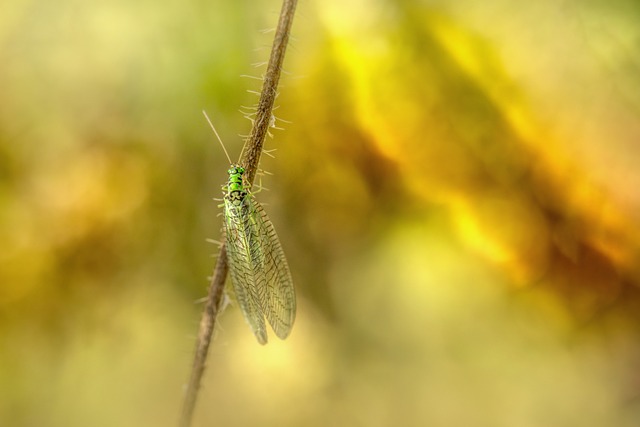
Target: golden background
(456, 186)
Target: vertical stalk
(250, 162)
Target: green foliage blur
(455, 185)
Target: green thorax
(235, 184)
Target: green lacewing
(259, 270)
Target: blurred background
(455, 185)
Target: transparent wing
(243, 255)
(259, 270)
(279, 303)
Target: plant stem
(207, 323)
(250, 162)
(251, 157)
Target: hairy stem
(250, 162)
(207, 323)
(251, 157)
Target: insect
(259, 271)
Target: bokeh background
(456, 186)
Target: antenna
(218, 136)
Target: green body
(259, 270)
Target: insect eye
(240, 169)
